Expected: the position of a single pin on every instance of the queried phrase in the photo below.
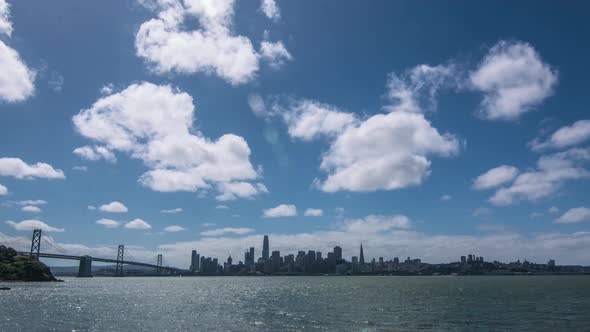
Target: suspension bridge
(85, 265)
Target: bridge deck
(97, 259)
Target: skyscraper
(252, 259)
(338, 253)
(194, 261)
(362, 256)
(265, 250)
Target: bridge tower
(159, 264)
(36, 243)
(85, 267)
(120, 252)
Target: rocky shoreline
(14, 267)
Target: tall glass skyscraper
(362, 256)
(265, 250)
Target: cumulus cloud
(30, 202)
(233, 190)
(282, 210)
(213, 48)
(95, 153)
(495, 177)
(382, 152)
(137, 224)
(174, 228)
(115, 207)
(29, 225)
(376, 224)
(227, 230)
(154, 124)
(108, 223)
(177, 210)
(5, 23)
(17, 80)
(416, 89)
(3, 190)
(31, 208)
(222, 207)
(19, 169)
(313, 212)
(270, 9)
(553, 209)
(275, 53)
(574, 215)
(80, 168)
(551, 173)
(564, 137)
(514, 79)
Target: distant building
(265, 248)
(338, 253)
(362, 255)
(463, 259)
(252, 259)
(194, 262)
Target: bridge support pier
(85, 268)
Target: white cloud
(376, 224)
(256, 104)
(108, 223)
(564, 137)
(17, 80)
(552, 172)
(174, 228)
(309, 119)
(227, 230)
(270, 9)
(177, 210)
(553, 209)
(222, 207)
(5, 23)
(91, 207)
(107, 89)
(31, 208)
(80, 168)
(313, 212)
(214, 48)
(535, 215)
(282, 210)
(137, 224)
(495, 177)
(17, 168)
(208, 224)
(95, 153)
(155, 124)
(514, 80)
(416, 89)
(446, 197)
(31, 202)
(382, 152)
(29, 225)
(3, 190)
(275, 54)
(115, 207)
(574, 215)
(233, 190)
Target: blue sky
(426, 130)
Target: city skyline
(390, 125)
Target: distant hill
(22, 268)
